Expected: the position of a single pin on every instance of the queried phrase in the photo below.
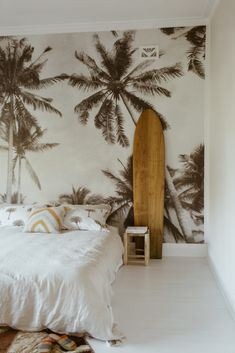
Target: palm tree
(116, 81)
(19, 75)
(25, 140)
(185, 191)
(190, 182)
(81, 196)
(122, 203)
(196, 54)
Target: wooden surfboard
(148, 178)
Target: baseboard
(184, 250)
(220, 285)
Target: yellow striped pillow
(45, 220)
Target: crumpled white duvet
(59, 281)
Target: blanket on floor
(12, 341)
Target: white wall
(221, 222)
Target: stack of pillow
(44, 219)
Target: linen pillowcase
(14, 215)
(78, 219)
(87, 213)
(45, 220)
(98, 213)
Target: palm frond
(190, 181)
(92, 66)
(32, 173)
(118, 212)
(3, 57)
(106, 57)
(30, 75)
(197, 35)
(159, 75)
(138, 103)
(83, 108)
(150, 88)
(139, 69)
(122, 139)
(42, 147)
(25, 55)
(188, 193)
(124, 188)
(114, 201)
(184, 180)
(114, 33)
(77, 197)
(95, 199)
(123, 54)
(127, 172)
(38, 102)
(113, 177)
(23, 115)
(169, 30)
(198, 202)
(85, 83)
(195, 65)
(104, 120)
(46, 82)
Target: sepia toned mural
(69, 104)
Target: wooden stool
(136, 258)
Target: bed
(59, 281)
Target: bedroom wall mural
(69, 104)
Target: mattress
(59, 281)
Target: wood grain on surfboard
(148, 178)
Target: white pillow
(14, 215)
(78, 219)
(98, 213)
(86, 217)
(45, 220)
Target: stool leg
(146, 249)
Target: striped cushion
(45, 220)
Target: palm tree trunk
(170, 220)
(19, 180)
(10, 161)
(128, 108)
(178, 207)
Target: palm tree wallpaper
(69, 104)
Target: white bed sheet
(61, 282)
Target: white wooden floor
(172, 306)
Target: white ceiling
(33, 16)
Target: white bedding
(61, 282)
